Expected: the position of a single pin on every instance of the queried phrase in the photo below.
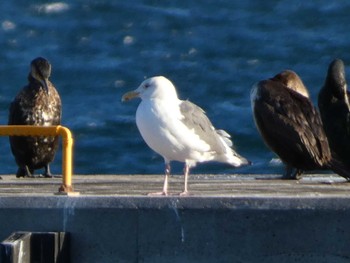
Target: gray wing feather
(195, 118)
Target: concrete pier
(231, 218)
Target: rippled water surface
(213, 51)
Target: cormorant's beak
(45, 84)
(130, 95)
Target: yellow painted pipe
(67, 145)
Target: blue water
(213, 51)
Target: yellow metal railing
(67, 145)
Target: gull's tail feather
(230, 156)
(237, 160)
(225, 137)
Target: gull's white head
(157, 87)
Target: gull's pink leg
(165, 186)
(186, 172)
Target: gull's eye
(146, 86)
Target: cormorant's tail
(340, 168)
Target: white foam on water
(51, 8)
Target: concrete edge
(192, 202)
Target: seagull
(333, 102)
(39, 104)
(179, 130)
(291, 126)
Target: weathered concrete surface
(232, 218)
(199, 185)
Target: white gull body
(179, 130)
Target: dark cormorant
(333, 102)
(38, 103)
(291, 126)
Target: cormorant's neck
(34, 81)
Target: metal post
(67, 145)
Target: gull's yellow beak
(130, 95)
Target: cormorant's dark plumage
(291, 126)
(38, 103)
(333, 102)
